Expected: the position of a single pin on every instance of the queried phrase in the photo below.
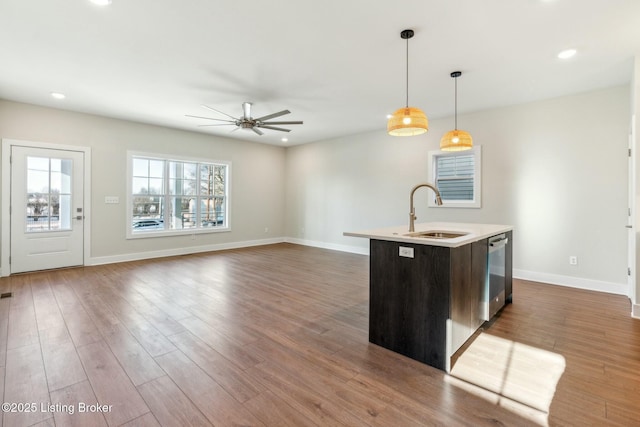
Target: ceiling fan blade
(220, 112)
(272, 116)
(256, 130)
(217, 124)
(210, 118)
(299, 122)
(274, 128)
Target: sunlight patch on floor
(514, 375)
(526, 412)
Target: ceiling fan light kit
(407, 121)
(456, 139)
(248, 122)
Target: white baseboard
(180, 251)
(635, 311)
(325, 245)
(573, 282)
(552, 279)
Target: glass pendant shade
(408, 121)
(456, 140)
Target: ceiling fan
(248, 122)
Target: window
(457, 177)
(48, 194)
(175, 196)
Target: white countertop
(474, 232)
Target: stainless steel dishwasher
(496, 281)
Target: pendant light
(407, 121)
(456, 140)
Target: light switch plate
(406, 252)
(112, 200)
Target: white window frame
(226, 227)
(477, 177)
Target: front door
(47, 212)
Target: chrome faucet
(412, 213)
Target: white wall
(556, 170)
(257, 198)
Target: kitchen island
(432, 288)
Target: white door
(47, 212)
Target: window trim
(477, 178)
(166, 233)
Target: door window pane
(37, 181)
(38, 163)
(63, 211)
(48, 194)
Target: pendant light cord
(456, 104)
(407, 80)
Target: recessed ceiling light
(58, 95)
(101, 2)
(389, 116)
(566, 54)
(284, 139)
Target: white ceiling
(339, 65)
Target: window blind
(454, 176)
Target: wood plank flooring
(278, 336)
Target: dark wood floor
(277, 335)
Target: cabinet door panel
(479, 287)
(462, 301)
(508, 288)
(409, 300)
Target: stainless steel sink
(437, 234)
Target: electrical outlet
(406, 252)
(573, 260)
(266, 229)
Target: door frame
(632, 212)
(5, 200)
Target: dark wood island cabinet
(427, 300)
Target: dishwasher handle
(498, 243)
